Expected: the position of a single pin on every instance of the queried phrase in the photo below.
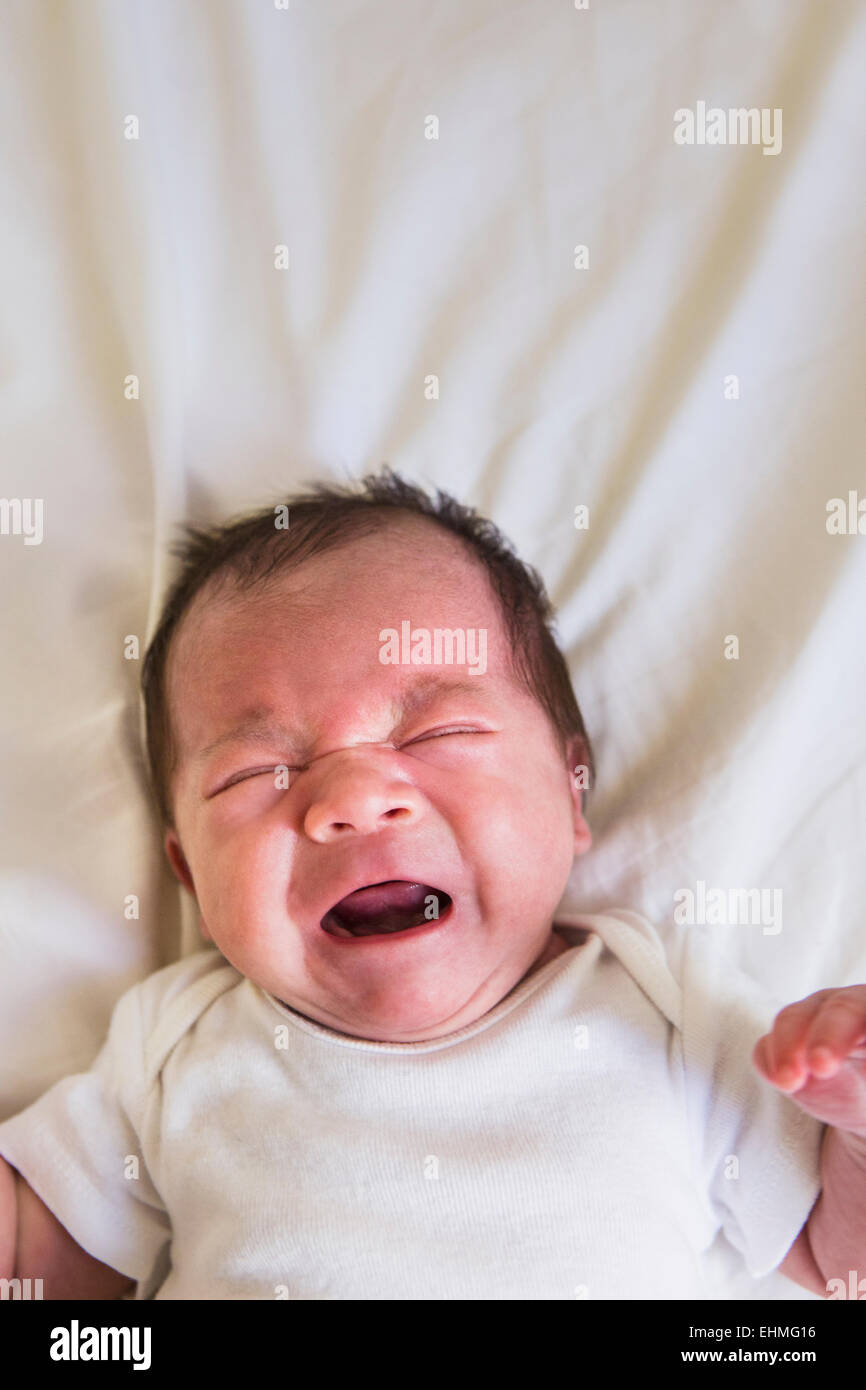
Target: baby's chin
(411, 985)
(392, 1023)
(433, 999)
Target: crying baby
(399, 1067)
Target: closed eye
(245, 776)
(260, 771)
(441, 733)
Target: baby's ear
(578, 772)
(178, 862)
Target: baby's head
(299, 752)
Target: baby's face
(459, 787)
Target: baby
(400, 1070)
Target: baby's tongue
(382, 907)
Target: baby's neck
(556, 944)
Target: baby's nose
(360, 800)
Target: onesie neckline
(580, 935)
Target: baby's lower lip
(385, 938)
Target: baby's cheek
(241, 894)
(531, 833)
(543, 806)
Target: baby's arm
(815, 1052)
(34, 1245)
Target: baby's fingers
(781, 1053)
(836, 1030)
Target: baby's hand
(816, 1053)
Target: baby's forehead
(379, 566)
(334, 606)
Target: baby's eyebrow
(260, 725)
(425, 690)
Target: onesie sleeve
(757, 1152)
(79, 1148)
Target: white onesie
(589, 1137)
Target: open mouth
(382, 909)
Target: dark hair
(251, 548)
